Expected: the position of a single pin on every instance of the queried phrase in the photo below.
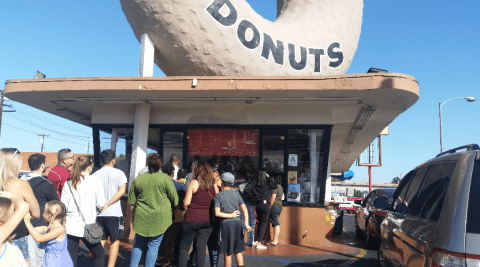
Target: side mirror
(358, 202)
(380, 203)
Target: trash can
(338, 227)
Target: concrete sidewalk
(342, 250)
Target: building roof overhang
(362, 104)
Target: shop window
(173, 144)
(234, 150)
(304, 165)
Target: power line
(33, 112)
(25, 113)
(19, 128)
(37, 134)
(31, 123)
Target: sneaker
(260, 246)
(254, 244)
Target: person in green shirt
(152, 197)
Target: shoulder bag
(93, 232)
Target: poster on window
(223, 142)
(292, 160)
(292, 177)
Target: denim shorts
(275, 212)
(22, 244)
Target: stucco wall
(218, 114)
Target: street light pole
(441, 134)
(468, 98)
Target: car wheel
(358, 232)
(380, 257)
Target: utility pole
(1, 112)
(42, 139)
(2, 98)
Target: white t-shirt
(175, 172)
(89, 196)
(112, 179)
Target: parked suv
(368, 218)
(435, 217)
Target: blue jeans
(22, 244)
(140, 244)
(251, 220)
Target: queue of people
(172, 211)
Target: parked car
(368, 218)
(435, 216)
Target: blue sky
(434, 41)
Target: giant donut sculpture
(227, 37)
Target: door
(395, 234)
(422, 218)
(391, 242)
(272, 158)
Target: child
(12, 210)
(54, 237)
(181, 174)
(227, 203)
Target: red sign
(223, 142)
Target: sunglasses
(16, 151)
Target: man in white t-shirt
(175, 160)
(111, 219)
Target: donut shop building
(301, 127)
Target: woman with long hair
(197, 225)
(261, 192)
(10, 163)
(83, 193)
(152, 198)
(250, 204)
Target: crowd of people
(44, 218)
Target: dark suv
(368, 218)
(435, 216)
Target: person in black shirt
(260, 191)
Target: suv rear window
(430, 198)
(473, 215)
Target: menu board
(223, 142)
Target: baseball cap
(228, 177)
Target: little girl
(12, 210)
(54, 237)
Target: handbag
(93, 232)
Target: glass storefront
(298, 154)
